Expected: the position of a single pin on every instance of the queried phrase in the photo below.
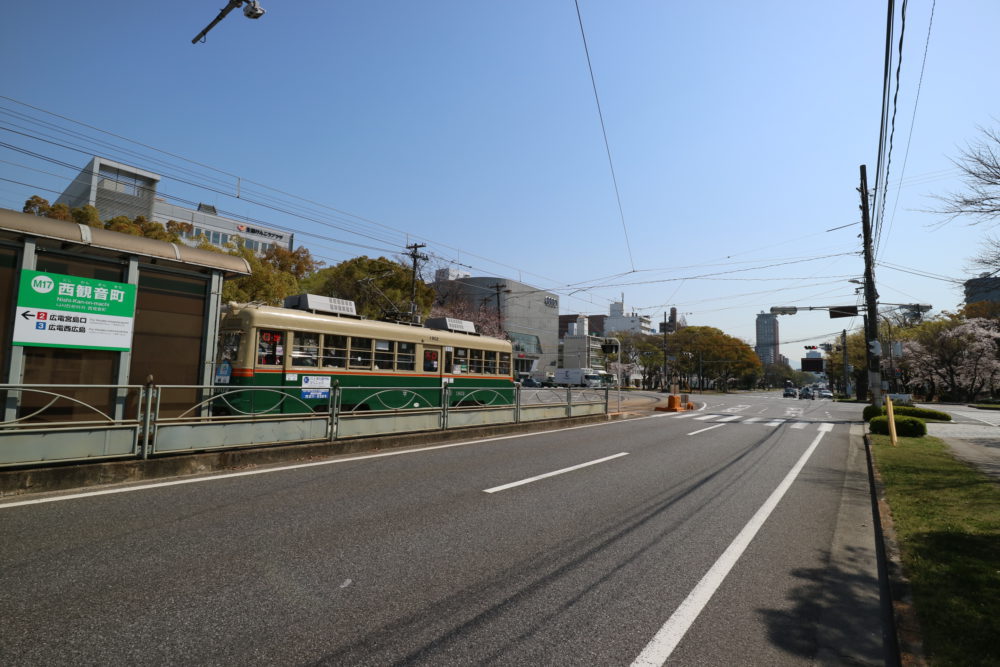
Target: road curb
(65, 477)
(905, 625)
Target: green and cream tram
(317, 358)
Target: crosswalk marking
(751, 420)
(799, 425)
(704, 417)
(775, 422)
(729, 418)
(685, 415)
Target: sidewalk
(974, 437)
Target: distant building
(619, 321)
(595, 324)
(767, 338)
(529, 316)
(442, 275)
(117, 189)
(983, 288)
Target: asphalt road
(739, 534)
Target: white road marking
(685, 415)
(737, 408)
(704, 417)
(658, 650)
(529, 480)
(799, 425)
(751, 420)
(311, 464)
(824, 427)
(776, 422)
(706, 429)
(729, 418)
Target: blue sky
(736, 130)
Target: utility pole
(499, 287)
(664, 388)
(871, 297)
(416, 256)
(847, 376)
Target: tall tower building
(767, 338)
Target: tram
(315, 350)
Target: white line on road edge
(658, 650)
(553, 473)
(706, 429)
(311, 464)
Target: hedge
(907, 427)
(906, 410)
(922, 413)
(871, 411)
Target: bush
(907, 427)
(872, 411)
(922, 413)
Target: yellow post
(892, 421)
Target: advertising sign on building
(54, 310)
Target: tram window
(361, 352)
(461, 360)
(430, 361)
(406, 357)
(305, 349)
(229, 345)
(505, 363)
(335, 351)
(271, 348)
(475, 361)
(385, 354)
(449, 361)
(490, 362)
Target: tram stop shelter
(90, 312)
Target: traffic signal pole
(871, 297)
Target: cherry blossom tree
(953, 357)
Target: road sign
(843, 311)
(55, 310)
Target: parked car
(530, 382)
(790, 392)
(825, 393)
(805, 392)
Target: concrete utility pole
(871, 297)
(499, 287)
(847, 376)
(416, 256)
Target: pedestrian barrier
(48, 423)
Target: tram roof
(14, 224)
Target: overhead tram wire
(913, 118)
(604, 132)
(242, 180)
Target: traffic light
(875, 348)
(811, 347)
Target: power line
(892, 132)
(913, 118)
(604, 132)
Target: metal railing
(61, 423)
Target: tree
(952, 357)
(380, 288)
(980, 166)
(266, 283)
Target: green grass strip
(947, 520)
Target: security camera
(253, 10)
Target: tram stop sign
(55, 310)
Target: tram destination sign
(54, 310)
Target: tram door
(433, 366)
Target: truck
(577, 377)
